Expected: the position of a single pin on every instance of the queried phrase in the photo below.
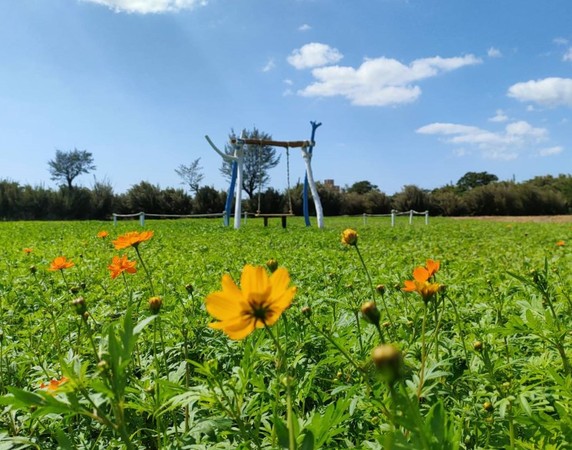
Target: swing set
(237, 159)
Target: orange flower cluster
(27, 250)
(420, 282)
(120, 264)
(60, 263)
(53, 384)
(560, 244)
(102, 234)
(132, 239)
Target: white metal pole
(392, 218)
(313, 189)
(410, 217)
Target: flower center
(259, 308)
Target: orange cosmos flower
(53, 384)
(560, 244)
(27, 250)
(132, 239)
(259, 303)
(420, 282)
(60, 263)
(121, 264)
(102, 234)
(349, 237)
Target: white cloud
(494, 53)
(568, 55)
(269, 65)
(503, 145)
(560, 41)
(550, 151)
(381, 81)
(304, 27)
(314, 55)
(288, 81)
(547, 92)
(149, 6)
(500, 116)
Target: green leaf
(308, 442)
(282, 433)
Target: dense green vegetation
(476, 193)
(92, 362)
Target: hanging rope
(259, 178)
(288, 179)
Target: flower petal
(253, 280)
(421, 274)
(222, 307)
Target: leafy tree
(472, 180)
(191, 175)
(411, 197)
(208, 200)
(257, 162)
(67, 166)
(362, 187)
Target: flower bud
(33, 269)
(380, 289)
(478, 346)
(388, 360)
(79, 306)
(370, 312)
(190, 288)
(155, 304)
(488, 406)
(349, 237)
(272, 265)
(307, 311)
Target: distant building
(331, 185)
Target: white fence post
(426, 217)
(365, 218)
(142, 219)
(393, 217)
(114, 219)
(410, 217)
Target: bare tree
(191, 175)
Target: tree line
(542, 195)
(475, 193)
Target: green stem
(146, 270)
(423, 352)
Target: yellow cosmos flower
(60, 263)
(132, 239)
(259, 302)
(120, 264)
(349, 237)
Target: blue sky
(408, 91)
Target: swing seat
(283, 217)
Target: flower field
(189, 335)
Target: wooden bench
(270, 216)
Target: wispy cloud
(314, 55)
(149, 6)
(304, 27)
(500, 116)
(560, 41)
(568, 55)
(502, 145)
(381, 81)
(546, 92)
(494, 53)
(550, 151)
(269, 65)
